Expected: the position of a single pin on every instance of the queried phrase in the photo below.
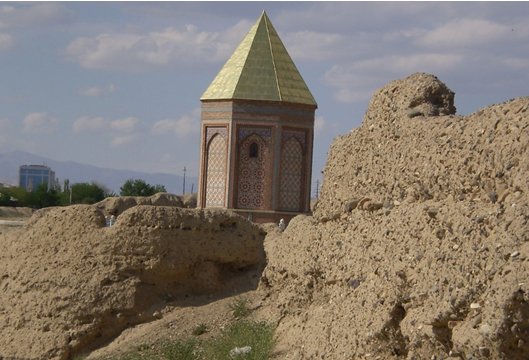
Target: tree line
(77, 193)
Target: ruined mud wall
(118, 204)
(68, 283)
(419, 244)
(399, 155)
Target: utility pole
(317, 188)
(184, 185)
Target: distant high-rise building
(31, 176)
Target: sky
(117, 84)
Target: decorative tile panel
(253, 181)
(298, 135)
(244, 132)
(291, 175)
(216, 169)
(212, 130)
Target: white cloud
(181, 127)
(464, 33)
(357, 80)
(122, 131)
(417, 62)
(6, 41)
(39, 122)
(128, 51)
(32, 15)
(408, 34)
(124, 125)
(314, 45)
(95, 91)
(87, 123)
(120, 140)
(319, 124)
(351, 95)
(516, 63)
(97, 123)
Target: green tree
(21, 196)
(84, 193)
(44, 197)
(138, 187)
(5, 198)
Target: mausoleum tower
(257, 132)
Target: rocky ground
(418, 249)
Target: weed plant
(239, 308)
(200, 329)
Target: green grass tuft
(239, 308)
(258, 335)
(200, 329)
(181, 350)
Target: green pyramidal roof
(260, 69)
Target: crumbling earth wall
(419, 243)
(69, 284)
(116, 205)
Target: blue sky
(118, 84)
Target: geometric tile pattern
(216, 171)
(212, 130)
(291, 175)
(254, 183)
(265, 133)
(299, 135)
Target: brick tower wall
(284, 131)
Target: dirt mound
(70, 284)
(419, 244)
(117, 205)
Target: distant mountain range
(113, 179)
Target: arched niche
(291, 181)
(253, 185)
(216, 166)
